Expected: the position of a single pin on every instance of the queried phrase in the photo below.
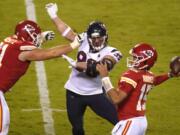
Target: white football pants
(4, 115)
(133, 126)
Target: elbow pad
(91, 68)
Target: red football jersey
(11, 68)
(137, 85)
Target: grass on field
(128, 22)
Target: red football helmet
(28, 30)
(143, 56)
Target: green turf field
(129, 22)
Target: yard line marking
(41, 81)
(39, 109)
(44, 99)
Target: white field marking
(39, 109)
(41, 81)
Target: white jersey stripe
(2, 53)
(130, 81)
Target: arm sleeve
(126, 87)
(160, 79)
(116, 55)
(128, 81)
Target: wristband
(106, 83)
(75, 44)
(66, 31)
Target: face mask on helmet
(29, 31)
(97, 36)
(143, 56)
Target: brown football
(175, 65)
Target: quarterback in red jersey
(17, 52)
(133, 88)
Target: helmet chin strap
(143, 67)
(134, 64)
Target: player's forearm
(160, 79)
(81, 65)
(59, 24)
(59, 50)
(116, 96)
(64, 29)
(44, 54)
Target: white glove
(77, 41)
(47, 35)
(70, 60)
(52, 10)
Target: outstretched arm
(164, 77)
(62, 27)
(44, 54)
(36, 54)
(174, 71)
(161, 78)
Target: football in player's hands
(175, 66)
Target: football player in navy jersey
(84, 87)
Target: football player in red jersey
(133, 87)
(17, 52)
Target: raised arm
(62, 27)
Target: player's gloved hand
(52, 10)
(174, 67)
(171, 74)
(47, 35)
(70, 60)
(77, 41)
